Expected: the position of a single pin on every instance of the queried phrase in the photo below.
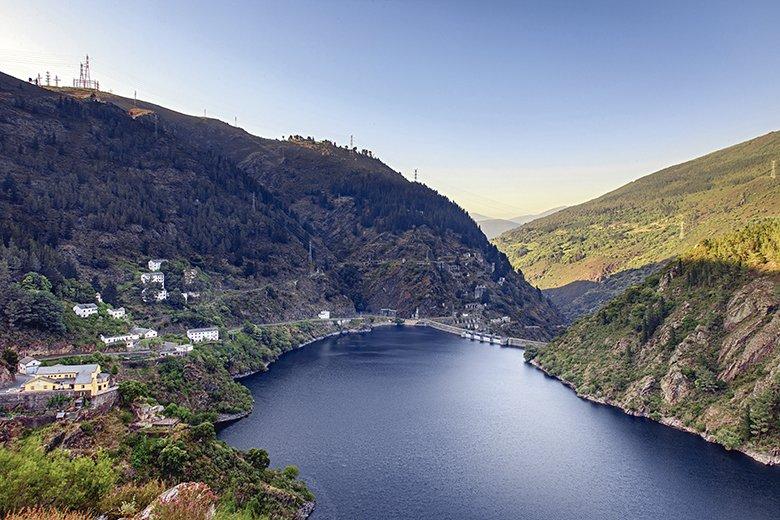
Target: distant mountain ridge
(648, 220)
(492, 227)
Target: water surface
(409, 423)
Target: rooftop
(83, 372)
(203, 329)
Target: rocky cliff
(696, 346)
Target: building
(390, 313)
(129, 337)
(156, 263)
(153, 277)
(117, 313)
(203, 334)
(191, 294)
(324, 315)
(80, 379)
(153, 293)
(170, 349)
(479, 291)
(143, 333)
(28, 365)
(84, 310)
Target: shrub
(129, 499)
(194, 501)
(39, 513)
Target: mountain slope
(94, 186)
(651, 219)
(492, 227)
(696, 346)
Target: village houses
(80, 379)
(153, 277)
(144, 333)
(85, 310)
(117, 313)
(28, 365)
(156, 263)
(203, 334)
(324, 315)
(170, 349)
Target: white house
(153, 277)
(129, 337)
(156, 263)
(203, 334)
(188, 295)
(153, 293)
(117, 313)
(28, 365)
(144, 333)
(324, 315)
(172, 349)
(85, 310)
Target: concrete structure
(79, 379)
(173, 350)
(203, 334)
(143, 333)
(389, 313)
(156, 263)
(28, 365)
(84, 310)
(153, 277)
(117, 313)
(479, 291)
(324, 315)
(110, 340)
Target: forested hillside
(697, 345)
(646, 222)
(260, 230)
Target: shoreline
(224, 419)
(672, 422)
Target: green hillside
(640, 223)
(696, 346)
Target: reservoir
(412, 423)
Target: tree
(172, 459)
(10, 357)
(35, 282)
(36, 310)
(258, 458)
(131, 390)
(204, 431)
(110, 294)
(291, 472)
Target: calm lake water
(410, 423)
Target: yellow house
(81, 379)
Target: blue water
(410, 423)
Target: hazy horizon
(508, 110)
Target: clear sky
(508, 108)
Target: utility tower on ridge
(415, 175)
(85, 80)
